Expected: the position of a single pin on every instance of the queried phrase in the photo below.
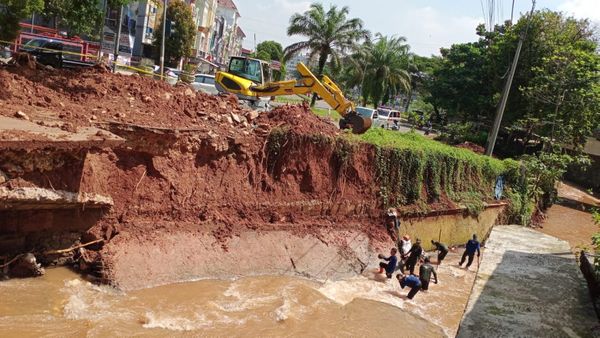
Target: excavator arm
(308, 83)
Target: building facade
(218, 34)
(228, 46)
(204, 13)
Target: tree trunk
(322, 60)
(409, 98)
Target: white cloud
(427, 29)
(583, 9)
(291, 7)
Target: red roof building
(227, 4)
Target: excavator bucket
(358, 123)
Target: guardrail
(591, 277)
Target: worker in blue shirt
(470, 249)
(412, 282)
(390, 266)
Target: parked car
(50, 52)
(367, 112)
(205, 83)
(381, 118)
(388, 118)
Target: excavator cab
(242, 76)
(255, 70)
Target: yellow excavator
(250, 80)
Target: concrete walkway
(528, 285)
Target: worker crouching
(390, 266)
(410, 281)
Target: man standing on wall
(471, 247)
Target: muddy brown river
(62, 304)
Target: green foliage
(386, 69)
(326, 113)
(596, 239)
(534, 184)
(80, 17)
(12, 12)
(557, 82)
(179, 44)
(455, 133)
(542, 173)
(117, 3)
(408, 164)
(271, 51)
(187, 75)
(329, 35)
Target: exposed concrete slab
(528, 285)
(39, 198)
(22, 134)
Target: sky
(427, 24)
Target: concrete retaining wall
(452, 228)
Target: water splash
(173, 323)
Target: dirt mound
(91, 96)
(191, 163)
(300, 119)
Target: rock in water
(26, 266)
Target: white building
(227, 10)
(204, 13)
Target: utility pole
(500, 111)
(102, 24)
(117, 39)
(164, 37)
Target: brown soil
(570, 219)
(191, 162)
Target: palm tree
(329, 35)
(355, 68)
(387, 69)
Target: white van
(388, 118)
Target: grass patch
(411, 169)
(408, 164)
(292, 99)
(327, 113)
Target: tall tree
(12, 12)
(387, 69)
(79, 17)
(556, 84)
(179, 43)
(330, 35)
(271, 51)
